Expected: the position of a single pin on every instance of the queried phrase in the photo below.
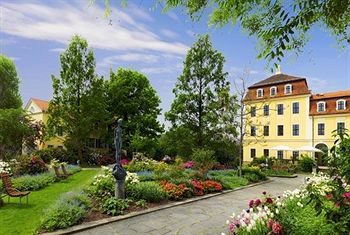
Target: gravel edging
(92, 224)
(283, 176)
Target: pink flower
(269, 223)
(232, 227)
(257, 202)
(346, 195)
(124, 162)
(251, 203)
(188, 165)
(276, 228)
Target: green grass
(25, 219)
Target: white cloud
(173, 16)
(317, 84)
(169, 33)
(157, 70)
(240, 71)
(59, 50)
(139, 12)
(190, 33)
(60, 21)
(128, 57)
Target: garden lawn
(25, 219)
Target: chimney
(278, 70)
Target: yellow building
(37, 109)
(283, 111)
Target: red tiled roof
(42, 104)
(330, 95)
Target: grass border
(93, 224)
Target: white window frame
(262, 93)
(285, 89)
(298, 129)
(274, 87)
(324, 104)
(341, 100)
(298, 107)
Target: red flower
(251, 203)
(329, 196)
(257, 202)
(276, 228)
(337, 205)
(269, 200)
(346, 195)
(269, 223)
(264, 193)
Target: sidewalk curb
(93, 224)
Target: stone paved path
(202, 217)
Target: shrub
(103, 185)
(176, 192)
(60, 154)
(211, 186)
(5, 167)
(149, 191)
(105, 160)
(227, 178)
(33, 182)
(115, 206)
(204, 160)
(305, 163)
(248, 173)
(198, 188)
(67, 211)
(32, 165)
(141, 165)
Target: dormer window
(259, 93)
(32, 110)
(273, 91)
(288, 89)
(341, 104)
(321, 106)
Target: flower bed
(295, 212)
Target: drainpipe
(313, 130)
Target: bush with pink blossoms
(188, 165)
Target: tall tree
(78, 105)
(9, 85)
(199, 91)
(132, 98)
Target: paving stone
(205, 217)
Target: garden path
(201, 217)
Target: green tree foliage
(200, 92)
(132, 98)
(78, 105)
(279, 26)
(17, 130)
(9, 85)
(178, 141)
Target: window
(320, 128)
(266, 152)
(253, 111)
(266, 130)
(60, 147)
(288, 89)
(341, 104)
(295, 107)
(32, 110)
(252, 153)
(280, 109)
(340, 127)
(295, 154)
(321, 106)
(295, 129)
(280, 154)
(259, 93)
(273, 91)
(50, 146)
(266, 110)
(280, 130)
(252, 131)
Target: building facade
(281, 110)
(37, 110)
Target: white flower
(227, 221)
(277, 211)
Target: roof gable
(43, 105)
(276, 79)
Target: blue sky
(141, 37)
